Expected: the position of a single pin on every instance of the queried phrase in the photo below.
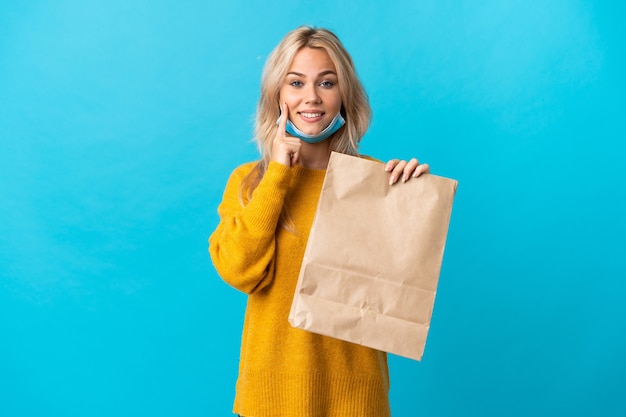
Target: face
(311, 90)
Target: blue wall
(121, 120)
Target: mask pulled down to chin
(335, 124)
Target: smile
(311, 115)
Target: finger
(391, 164)
(397, 172)
(421, 169)
(292, 146)
(409, 168)
(295, 157)
(282, 127)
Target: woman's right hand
(285, 148)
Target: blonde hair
(355, 107)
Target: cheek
(285, 97)
(282, 94)
(336, 101)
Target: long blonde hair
(355, 107)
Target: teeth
(311, 115)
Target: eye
(327, 84)
(296, 83)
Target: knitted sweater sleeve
(243, 244)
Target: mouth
(311, 117)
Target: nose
(312, 95)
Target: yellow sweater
(284, 371)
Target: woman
(311, 103)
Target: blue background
(121, 120)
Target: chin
(310, 131)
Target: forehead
(312, 60)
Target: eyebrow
(321, 74)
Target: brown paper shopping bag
(372, 262)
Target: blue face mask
(334, 126)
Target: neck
(315, 155)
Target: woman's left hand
(401, 169)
